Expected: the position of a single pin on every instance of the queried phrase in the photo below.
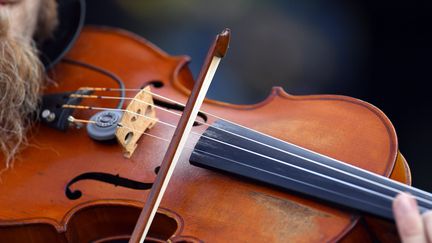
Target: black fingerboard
(230, 148)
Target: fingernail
(406, 203)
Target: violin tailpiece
(140, 116)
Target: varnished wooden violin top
(201, 203)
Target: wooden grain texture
(205, 205)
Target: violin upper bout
(338, 126)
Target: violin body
(200, 204)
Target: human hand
(412, 227)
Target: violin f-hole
(177, 107)
(115, 180)
(154, 83)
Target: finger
(408, 220)
(427, 221)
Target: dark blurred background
(377, 51)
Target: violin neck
(237, 150)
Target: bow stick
(216, 52)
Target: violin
(290, 168)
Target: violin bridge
(140, 116)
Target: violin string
(83, 107)
(269, 136)
(301, 182)
(120, 125)
(273, 173)
(258, 154)
(301, 157)
(130, 98)
(238, 162)
(102, 71)
(123, 89)
(261, 143)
